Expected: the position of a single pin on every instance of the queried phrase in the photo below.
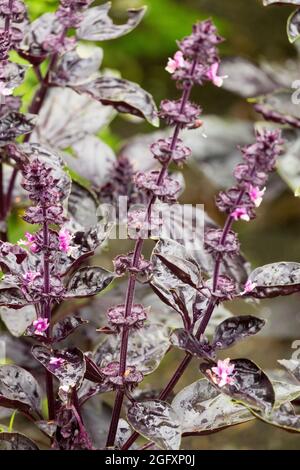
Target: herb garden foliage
(45, 272)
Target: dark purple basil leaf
(124, 96)
(182, 339)
(12, 297)
(286, 389)
(156, 421)
(234, 329)
(283, 417)
(34, 44)
(11, 257)
(167, 285)
(98, 26)
(70, 435)
(293, 26)
(16, 441)
(245, 78)
(196, 220)
(77, 66)
(14, 124)
(83, 245)
(82, 206)
(70, 372)
(91, 389)
(275, 279)
(47, 427)
(65, 327)
(92, 159)
(88, 281)
(201, 408)
(12, 76)
(93, 372)
(17, 321)
(178, 261)
(279, 107)
(293, 366)
(251, 385)
(19, 390)
(146, 348)
(66, 118)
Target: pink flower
(40, 325)
(56, 362)
(177, 62)
(222, 374)
(240, 213)
(212, 75)
(249, 287)
(64, 240)
(29, 277)
(256, 194)
(31, 242)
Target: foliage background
(253, 32)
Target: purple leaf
(77, 66)
(71, 369)
(14, 124)
(182, 339)
(93, 160)
(19, 390)
(279, 107)
(66, 117)
(82, 206)
(246, 78)
(65, 327)
(35, 46)
(12, 297)
(12, 256)
(250, 385)
(16, 441)
(275, 279)
(97, 25)
(293, 366)
(12, 75)
(17, 321)
(146, 348)
(283, 417)
(124, 96)
(88, 281)
(201, 408)
(157, 422)
(234, 329)
(178, 261)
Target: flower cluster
(198, 59)
(260, 158)
(117, 319)
(130, 378)
(69, 12)
(222, 374)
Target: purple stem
(132, 280)
(47, 314)
(203, 325)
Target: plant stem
(47, 313)
(135, 263)
(203, 325)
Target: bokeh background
(256, 33)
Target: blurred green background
(254, 32)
